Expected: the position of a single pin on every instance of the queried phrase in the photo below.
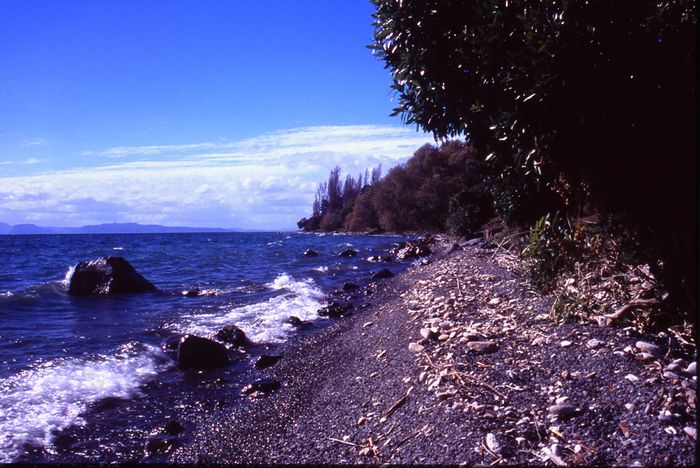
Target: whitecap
(117, 248)
(69, 274)
(265, 321)
(321, 269)
(51, 396)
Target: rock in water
(348, 253)
(310, 253)
(266, 360)
(264, 386)
(195, 352)
(231, 334)
(334, 309)
(383, 273)
(107, 275)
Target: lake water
(84, 379)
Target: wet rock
(195, 352)
(172, 427)
(171, 343)
(383, 273)
(563, 411)
(310, 253)
(191, 292)
(379, 258)
(157, 445)
(107, 275)
(482, 347)
(264, 386)
(266, 360)
(233, 335)
(348, 253)
(350, 286)
(297, 322)
(649, 348)
(334, 309)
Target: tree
(598, 93)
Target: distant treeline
(439, 189)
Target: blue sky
(202, 113)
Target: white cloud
(33, 161)
(266, 182)
(34, 142)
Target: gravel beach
(457, 361)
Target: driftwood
(607, 319)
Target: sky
(187, 113)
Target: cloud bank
(267, 182)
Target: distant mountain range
(110, 228)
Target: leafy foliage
(597, 97)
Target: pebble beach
(458, 361)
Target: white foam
(51, 395)
(322, 269)
(6, 294)
(117, 248)
(264, 322)
(69, 274)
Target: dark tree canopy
(597, 96)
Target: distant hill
(109, 228)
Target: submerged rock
(261, 386)
(191, 292)
(233, 335)
(350, 286)
(348, 253)
(383, 273)
(310, 253)
(379, 258)
(195, 352)
(297, 322)
(107, 275)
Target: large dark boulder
(231, 334)
(107, 275)
(195, 352)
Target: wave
(69, 274)
(266, 321)
(52, 395)
(321, 269)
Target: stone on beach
(264, 386)
(266, 360)
(649, 348)
(107, 275)
(195, 352)
(482, 347)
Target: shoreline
(540, 393)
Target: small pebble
(565, 344)
(691, 431)
(593, 343)
(482, 347)
(632, 377)
(562, 411)
(670, 375)
(415, 347)
(691, 369)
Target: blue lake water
(84, 378)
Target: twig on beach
(460, 376)
(409, 437)
(607, 319)
(394, 407)
(344, 442)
